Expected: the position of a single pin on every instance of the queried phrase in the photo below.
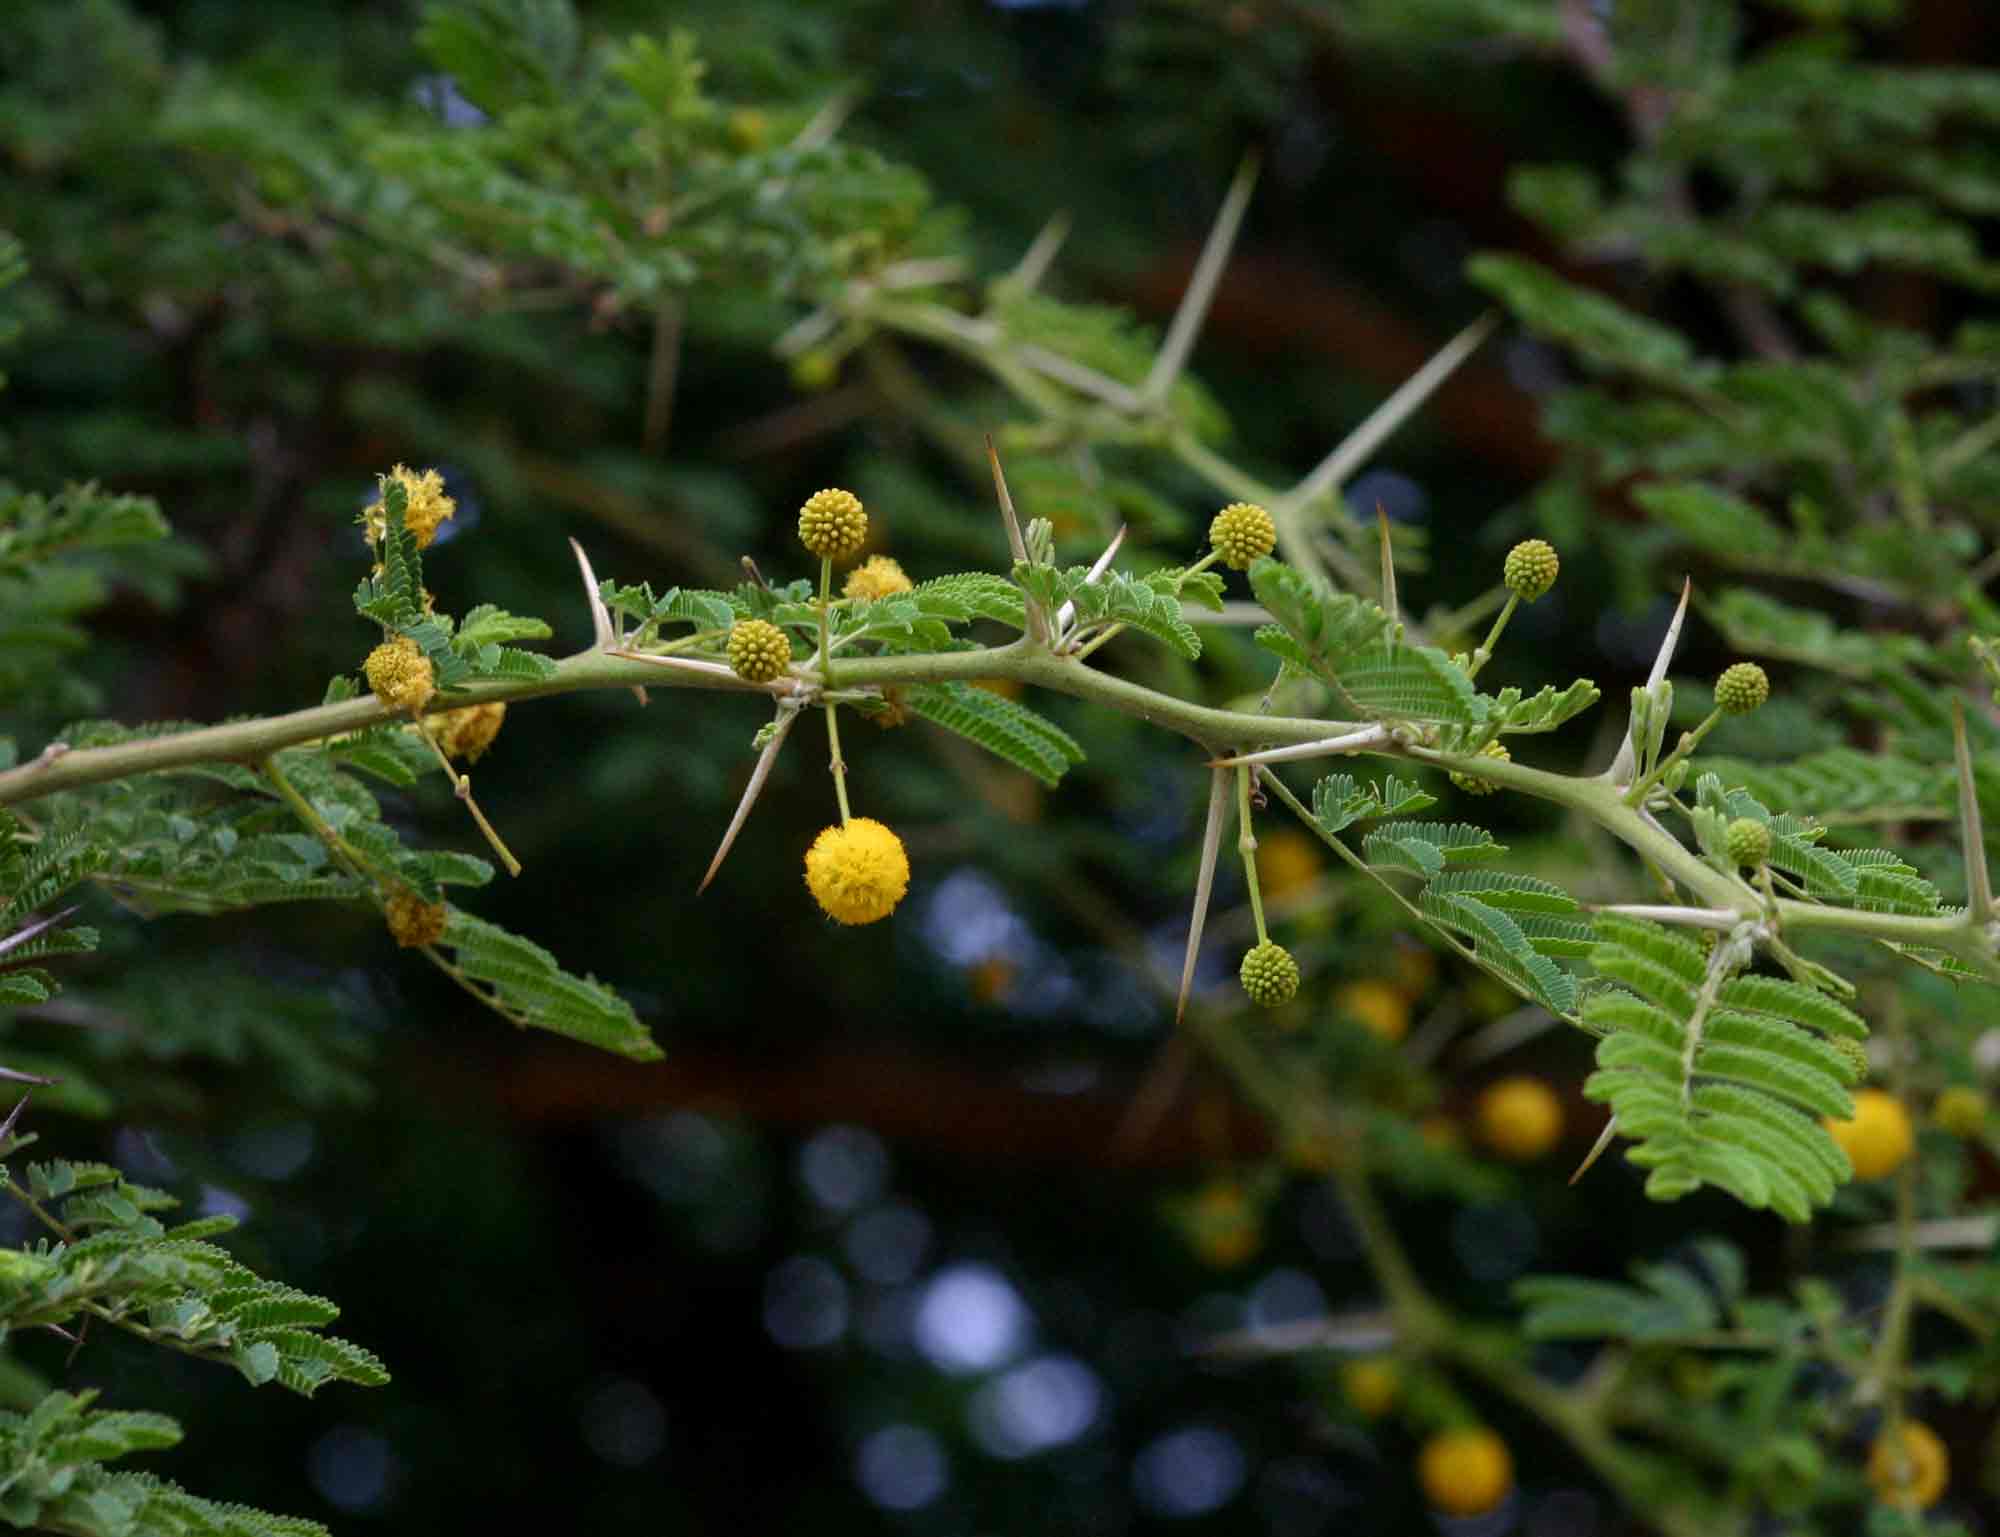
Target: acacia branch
(250, 742)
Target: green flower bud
(1960, 1111)
(1242, 532)
(1741, 688)
(1269, 975)
(1856, 1053)
(1531, 569)
(1748, 841)
(758, 651)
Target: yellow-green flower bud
(758, 650)
(1473, 785)
(1269, 974)
(1960, 1111)
(1856, 1053)
(1531, 569)
(1741, 688)
(1748, 841)
(833, 523)
(1241, 533)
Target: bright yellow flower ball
(1520, 1118)
(1909, 1467)
(859, 872)
(1372, 1386)
(1465, 1472)
(1879, 1139)
(1381, 1006)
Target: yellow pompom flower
(1879, 1139)
(1465, 1472)
(1380, 1006)
(467, 733)
(426, 507)
(833, 523)
(1520, 1118)
(1909, 1466)
(1372, 1385)
(859, 872)
(1242, 533)
(758, 650)
(876, 577)
(413, 922)
(400, 674)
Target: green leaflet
(394, 596)
(1114, 598)
(1318, 629)
(172, 847)
(1729, 1094)
(703, 610)
(1340, 800)
(1794, 840)
(527, 986)
(52, 1476)
(1514, 923)
(1718, 522)
(1605, 334)
(123, 1264)
(1422, 848)
(1025, 739)
(1351, 646)
(1763, 626)
(1542, 711)
(1670, 1301)
(35, 528)
(1843, 785)
(1398, 682)
(489, 625)
(1500, 942)
(974, 595)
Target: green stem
(356, 862)
(1246, 845)
(825, 610)
(837, 763)
(1690, 740)
(253, 741)
(1485, 652)
(1892, 1344)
